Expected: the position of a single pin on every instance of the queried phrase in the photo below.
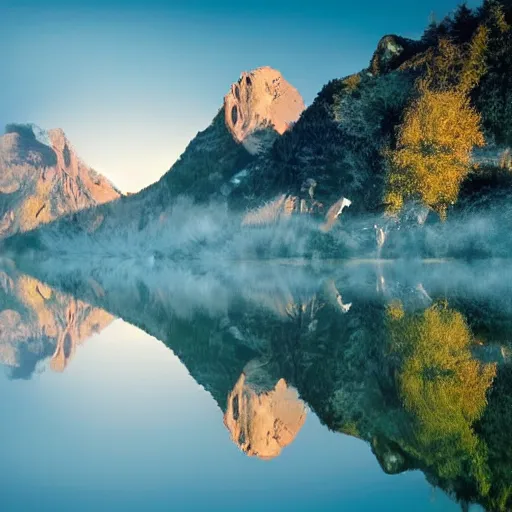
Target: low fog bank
(211, 234)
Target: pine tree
(494, 95)
(463, 24)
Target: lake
(260, 386)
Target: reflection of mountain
(262, 423)
(425, 384)
(38, 322)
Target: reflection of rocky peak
(42, 178)
(262, 424)
(261, 100)
(37, 322)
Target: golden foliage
(451, 66)
(433, 151)
(445, 389)
(440, 128)
(443, 66)
(474, 66)
(497, 15)
(395, 310)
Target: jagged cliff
(261, 105)
(42, 179)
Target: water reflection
(39, 323)
(412, 360)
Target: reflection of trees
(445, 389)
(495, 429)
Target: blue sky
(132, 82)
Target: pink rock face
(42, 178)
(97, 187)
(260, 106)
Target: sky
(132, 82)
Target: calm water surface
(292, 391)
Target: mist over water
(212, 235)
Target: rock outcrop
(42, 178)
(285, 206)
(263, 423)
(391, 52)
(261, 105)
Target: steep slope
(42, 178)
(351, 140)
(258, 108)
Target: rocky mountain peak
(391, 52)
(57, 138)
(66, 156)
(261, 105)
(42, 178)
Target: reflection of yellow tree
(445, 389)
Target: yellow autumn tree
(439, 130)
(445, 389)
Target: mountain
(419, 136)
(256, 111)
(259, 107)
(42, 178)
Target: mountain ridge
(42, 178)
